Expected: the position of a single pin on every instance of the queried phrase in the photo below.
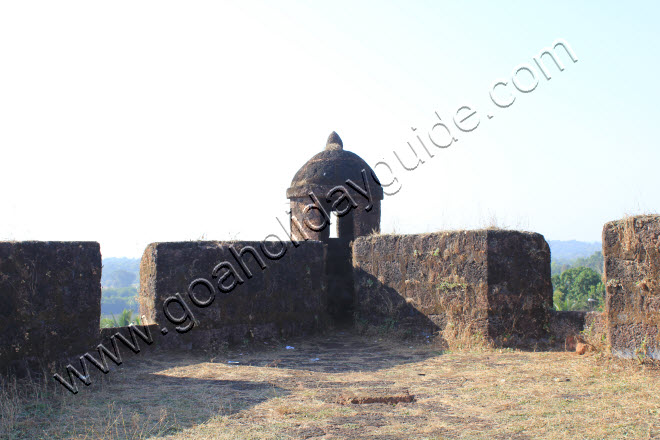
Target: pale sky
(130, 122)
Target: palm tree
(565, 304)
(125, 319)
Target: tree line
(578, 284)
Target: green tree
(594, 262)
(125, 319)
(561, 302)
(574, 287)
(115, 300)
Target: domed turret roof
(329, 168)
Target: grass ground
(279, 393)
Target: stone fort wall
(50, 301)
(489, 283)
(496, 283)
(631, 248)
(233, 291)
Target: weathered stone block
(631, 248)
(566, 324)
(595, 329)
(263, 297)
(339, 270)
(569, 327)
(50, 301)
(491, 283)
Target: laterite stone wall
(287, 297)
(631, 248)
(489, 283)
(50, 302)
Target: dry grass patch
(485, 394)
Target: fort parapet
(631, 249)
(247, 290)
(50, 301)
(491, 283)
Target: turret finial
(334, 142)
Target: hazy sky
(133, 122)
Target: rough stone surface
(334, 142)
(570, 343)
(340, 279)
(631, 249)
(50, 302)
(340, 182)
(489, 283)
(570, 327)
(321, 176)
(595, 329)
(332, 166)
(286, 298)
(369, 396)
(566, 327)
(107, 332)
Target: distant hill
(119, 279)
(120, 272)
(572, 249)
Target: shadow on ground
(275, 392)
(177, 390)
(338, 352)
